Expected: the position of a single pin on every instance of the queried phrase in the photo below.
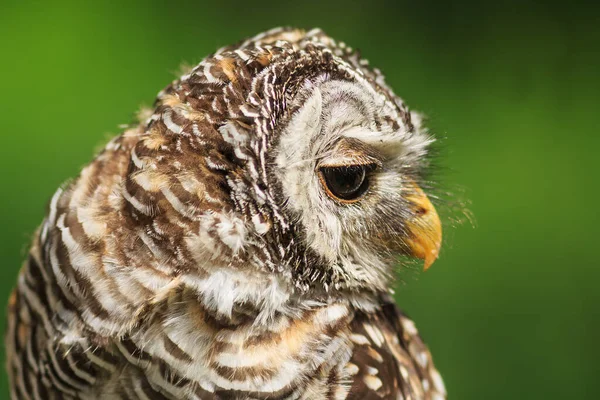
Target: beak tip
(431, 258)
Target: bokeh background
(511, 310)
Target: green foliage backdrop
(511, 309)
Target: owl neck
(235, 298)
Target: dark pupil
(347, 183)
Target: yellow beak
(425, 229)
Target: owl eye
(345, 183)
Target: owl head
(347, 165)
(297, 164)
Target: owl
(239, 242)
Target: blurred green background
(511, 310)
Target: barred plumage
(204, 253)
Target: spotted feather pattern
(171, 269)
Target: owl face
(349, 169)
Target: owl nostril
(420, 211)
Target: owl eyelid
(349, 152)
(348, 159)
(345, 163)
